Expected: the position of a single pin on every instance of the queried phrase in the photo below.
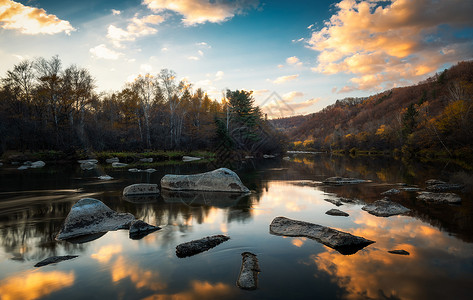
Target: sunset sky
(297, 55)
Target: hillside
(434, 116)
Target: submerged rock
(248, 278)
(112, 160)
(343, 242)
(337, 202)
(391, 192)
(90, 216)
(198, 246)
(439, 197)
(442, 187)
(220, 180)
(190, 158)
(385, 208)
(140, 229)
(54, 259)
(336, 212)
(342, 181)
(399, 252)
(141, 189)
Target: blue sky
(303, 54)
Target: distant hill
(434, 116)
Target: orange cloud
(201, 11)
(284, 79)
(122, 269)
(30, 20)
(137, 27)
(34, 285)
(199, 290)
(381, 43)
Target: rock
(141, 189)
(146, 160)
(442, 187)
(119, 165)
(90, 160)
(306, 183)
(439, 197)
(248, 278)
(400, 252)
(268, 156)
(220, 180)
(150, 170)
(198, 246)
(336, 212)
(140, 229)
(53, 260)
(105, 177)
(342, 181)
(343, 242)
(391, 192)
(401, 184)
(87, 166)
(334, 201)
(286, 158)
(134, 170)
(23, 167)
(112, 160)
(190, 158)
(410, 189)
(434, 181)
(90, 216)
(385, 208)
(37, 164)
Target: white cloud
(164, 49)
(116, 12)
(135, 29)
(291, 95)
(193, 58)
(101, 51)
(386, 44)
(284, 79)
(201, 53)
(202, 11)
(219, 75)
(204, 45)
(31, 20)
(293, 60)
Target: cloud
(116, 12)
(193, 58)
(101, 51)
(136, 28)
(298, 40)
(291, 95)
(293, 60)
(30, 20)
(219, 75)
(201, 11)
(203, 45)
(393, 42)
(283, 79)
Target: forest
(433, 118)
(44, 106)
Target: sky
(296, 56)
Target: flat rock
(337, 202)
(112, 160)
(190, 158)
(197, 246)
(305, 183)
(134, 170)
(90, 160)
(268, 156)
(220, 180)
(90, 216)
(105, 177)
(342, 181)
(141, 189)
(410, 189)
(119, 165)
(385, 208)
(87, 166)
(140, 229)
(434, 181)
(443, 187)
(248, 277)
(391, 192)
(336, 212)
(399, 252)
(343, 242)
(37, 164)
(439, 197)
(54, 259)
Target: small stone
(198, 246)
(146, 160)
(112, 160)
(248, 278)
(190, 158)
(119, 165)
(336, 212)
(391, 192)
(385, 208)
(105, 177)
(410, 189)
(399, 252)
(434, 181)
(337, 202)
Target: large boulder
(201, 245)
(220, 180)
(248, 278)
(439, 197)
(385, 208)
(90, 216)
(343, 242)
(141, 189)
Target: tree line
(46, 107)
(431, 118)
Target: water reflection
(198, 290)
(31, 285)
